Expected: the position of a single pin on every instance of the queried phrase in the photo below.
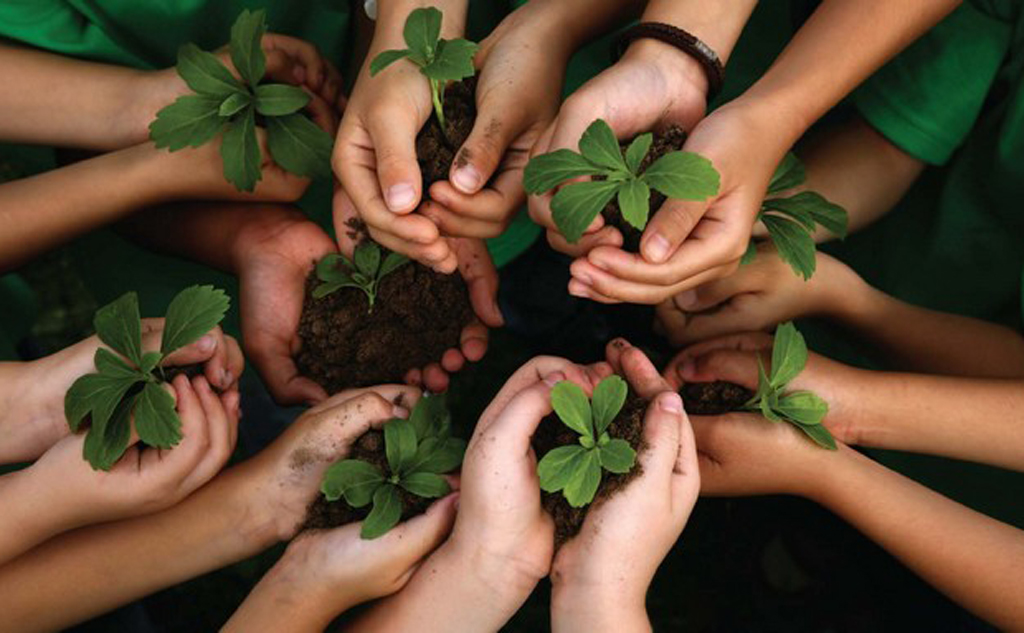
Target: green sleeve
(927, 99)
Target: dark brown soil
(435, 150)
(670, 140)
(552, 433)
(323, 514)
(418, 315)
(714, 398)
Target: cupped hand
(36, 420)
(758, 296)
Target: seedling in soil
(129, 385)
(576, 469)
(791, 221)
(364, 271)
(418, 450)
(681, 175)
(440, 60)
(222, 102)
(802, 409)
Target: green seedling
(128, 383)
(681, 175)
(222, 102)
(440, 60)
(418, 450)
(365, 271)
(576, 469)
(791, 221)
(802, 409)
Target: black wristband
(686, 42)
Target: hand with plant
(61, 492)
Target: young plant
(681, 175)
(129, 385)
(365, 271)
(791, 221)
(576, 469)
(440, 60)
(236, 106)
(802, 409)
(418, 450)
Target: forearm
(573, 610)
(974, 559)
(275, 604)
(95, 569)
(71, 103)
(568, 25)
(717, 24)
(30, 515)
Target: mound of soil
(670, 140)
(323, 514)
(418, 315)
(435, 149)
(714, 398)
(552, 433)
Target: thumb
(477, 268)
(411, 541)
(721, 365)
(479, 157)
(662, 423)
(669, 227)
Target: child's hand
(758, 296)
(36, 421)
(600, 577)
(734, 359)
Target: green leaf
(587, 441)
(794, 211)
(329, 268)
(576, 205)
(749, 254)
(635, 202)
(789, 174)
(354, 479)
(582, 487)
(156, 420)
(559, 466)
(247, 46)
(204, 73)
(803, 407)
(149, 361)
(547, 171)
(599, 146)
(299, 145)
(617, 456)
(452, 62)
(831, 216)
(193, 312)
(95, 395)
(422, 31)
(233, 104)
(191, 121)
(438, 455)
(110, 364)
(426, 485)
(387, 510)
(106, 443)
(430, 416)
(392, 262)
(119, 326)
(399, 445)
(572, 406)
(766, 409)
(330, 287)
(764, 385)
(240, 152)
(367, 259)
(609, 396)
(280, 99)
(794, 244)
(789, 355)
(820, 435)
(683, 176)
(385, 59)
(637, 151)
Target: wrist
(146, 93)
(681, 71)
(579, 608)
(485, 578)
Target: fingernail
(401, 196)
(206, 344)
(686, 300)
(466, 179)
(670, 402)
(553, 379)
(300, 74)
(399, 412)
(577, 289)
(656, 249)
(226, 378)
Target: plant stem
(435, 93)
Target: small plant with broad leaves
(802, 409)
(236, 106)
(681, 175)
(791, 221)
(440, 60)
(365, 271)
(418, 450)
(576, 469)
(127, 384)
